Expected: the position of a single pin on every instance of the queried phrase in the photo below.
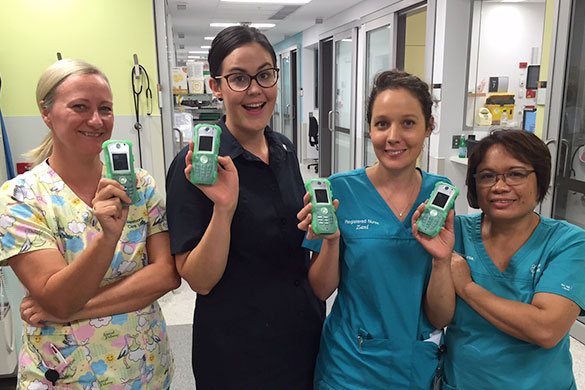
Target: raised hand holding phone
(120, 166)
(442, 199)
(323, 218)
(205, 153)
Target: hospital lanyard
(136, 94)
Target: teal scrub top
(374, 335)
(480, 356)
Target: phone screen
(321, 196)
(205, 143)
(440, 200)
(120, 161)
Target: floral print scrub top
(118, 352)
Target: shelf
(202, 97)
(481, 94)
(458, 160)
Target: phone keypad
(203, 170)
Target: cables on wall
(140, 80)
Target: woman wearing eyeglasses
(518, 276)
(257, 322)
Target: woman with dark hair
(381, 333)
(518, 275)
(257, 323)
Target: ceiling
(194, 17)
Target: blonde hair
(47, 86)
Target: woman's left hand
(440, 246)
(460, 273)
(33, 314)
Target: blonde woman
(92, 267)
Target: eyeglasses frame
(503, 175)
(225, 77)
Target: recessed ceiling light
(222, 25)
(198, 51)
(206, 47)
(270, 1)
(262, 25)
(209, 38)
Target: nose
(392, 135)
(500, 183)
(254, 87)
(95, 120)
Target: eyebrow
(240, 70)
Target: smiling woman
(517, 275)
(257, 323)
(93, 267)
(381, 333)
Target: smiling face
(502, 201)
(398, 129)
(248, 111)
(81, 117)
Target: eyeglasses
(239, 82)
(511, 178)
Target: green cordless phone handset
(205, 152)
(440, 202)
(120, 166)
(324, 220)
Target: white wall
(508, 33)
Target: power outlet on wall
(455, 142)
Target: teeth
(393, 153)
(90, 134)
(254, 105)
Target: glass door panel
(569, 193)
(285, 98)
(343, 110)
(277, 115)
(378, 59)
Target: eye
(266, 75)
(239, 78)
(486, 176)
(106, 109)
(381, 124)
(516, 174)
(79, 107)
(409, 123)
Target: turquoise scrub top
(374, 335)
(480, 356)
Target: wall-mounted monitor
(532, 76)
(529, 119)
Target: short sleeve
(312, 245)
(154, 203)
(188, 209)
(23, 225)
(564, 269)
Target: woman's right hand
(440, 246)
(305, 218)
(224, 193)
(108, 208)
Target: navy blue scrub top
(259, 327)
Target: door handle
(180, 137)
(330, 123)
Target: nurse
(381, 333)
(519, 275)
(257, 322)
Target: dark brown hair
(229, 39)
(396, 79)
(523, 146)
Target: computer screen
(529, 119)
(532, 76)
